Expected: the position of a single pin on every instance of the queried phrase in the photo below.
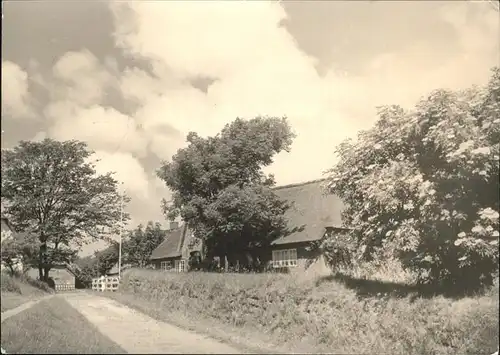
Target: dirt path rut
(137, 333)
(12, 312)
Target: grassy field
(341, 314)
(51, 327)
(18, 290)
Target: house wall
(157, 262)
(305, 263)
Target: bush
(422, 186)
(9, 284)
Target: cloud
(78, 91)
(259, 70)
(128, 170)
(15, 91)
(80, 78)
(103, 128)
(39, 137)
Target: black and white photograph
(250, 177)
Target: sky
(133, 78)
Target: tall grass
(16, 290)
(21, 284)
(327, 315)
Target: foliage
(339, 247)
(107, 258)
(50, 189)
(19, 251)
(100, 263)
(423, 185)
(141, 242)
(219, 188)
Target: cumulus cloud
(15, 91)
(127, 169)
(77, 110)
(81, 78)
(103, 128)
(258, 68)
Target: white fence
(105, 283)
(65, 287)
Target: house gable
(171, 245)
(177, 244)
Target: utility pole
(120, 235)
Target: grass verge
(16, 291)
(53, 326)
(311, 316)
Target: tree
(422, 185)
(141, 243)
(51, 189)
(100, 263)
(219, 188)
(107, 258)
(18, 249)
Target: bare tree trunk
(226, 264)
(46, 273)
(40, 263)
(43, 268)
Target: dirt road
(137, 333)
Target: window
(165, 265)
(180, 265)
(284, 258)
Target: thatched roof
(311, 211)
(175, 242)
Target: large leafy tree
(220, 190)
(422, 185)
(141, 242)
(51, 190)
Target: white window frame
(284, 258)
(180, 265)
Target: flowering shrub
(422, 185)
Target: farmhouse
(174, 252)
(312, 214)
